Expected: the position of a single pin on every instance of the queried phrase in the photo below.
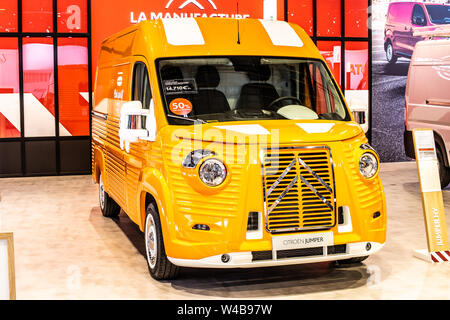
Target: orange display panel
(301, 13)
(38, 84)
(73, 86)
(329, 18)
(8, 16)
(331, 52)
(357, 65)
(37, 16)
(72, 16)
(356, 18)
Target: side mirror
(419, 21)
(136, 124)
(360, 116)
(358, 103)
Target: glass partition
(45, 83)
(73, 86)
(9, 88)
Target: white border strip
(282, 34)
(183, 32)
(245, 259)
(316, 127)
(250, 129)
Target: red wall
(111, 16)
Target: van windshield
(439, 14)
(239, 88)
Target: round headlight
(368, 165)
(212, 172)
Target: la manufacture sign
(189, 9)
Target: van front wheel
(444, 172)
(159, 266)
(390, 56)
(351, 260)
(108, 206)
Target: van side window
(325, 96)
(141, 85)
(418, 17)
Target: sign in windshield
(239, 88)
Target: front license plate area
(302, 240)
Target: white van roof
(432, 52)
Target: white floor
(65, 249)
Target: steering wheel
(245, 113)
(277, 101)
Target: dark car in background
(404, 19)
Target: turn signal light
(253, 221)
(201, 227)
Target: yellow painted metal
(154, 168)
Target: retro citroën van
(230, 145)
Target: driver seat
(209, 99)
(257, 94)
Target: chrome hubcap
(151, 241)
(101, 194)
(389, 52)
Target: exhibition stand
(433, 204)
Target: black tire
(390, 56)
(352, 260)
(159, 266)
(444, 172)
(108, 206)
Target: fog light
(360, 116)
(253, 221)
(341, 215)
(226, 258)
(202, 227)
(368, 246)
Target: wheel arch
(97, 164)
(441, 145)
(155, 190)
(387, 41)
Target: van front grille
(299, 253)
(299, 190)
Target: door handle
(438, 102)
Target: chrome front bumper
(246, 259)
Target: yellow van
(230, 145)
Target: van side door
(428, 97)
(399, 18)
(418, 20)
(136, 157)
(111, 92)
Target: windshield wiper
(188, 119)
